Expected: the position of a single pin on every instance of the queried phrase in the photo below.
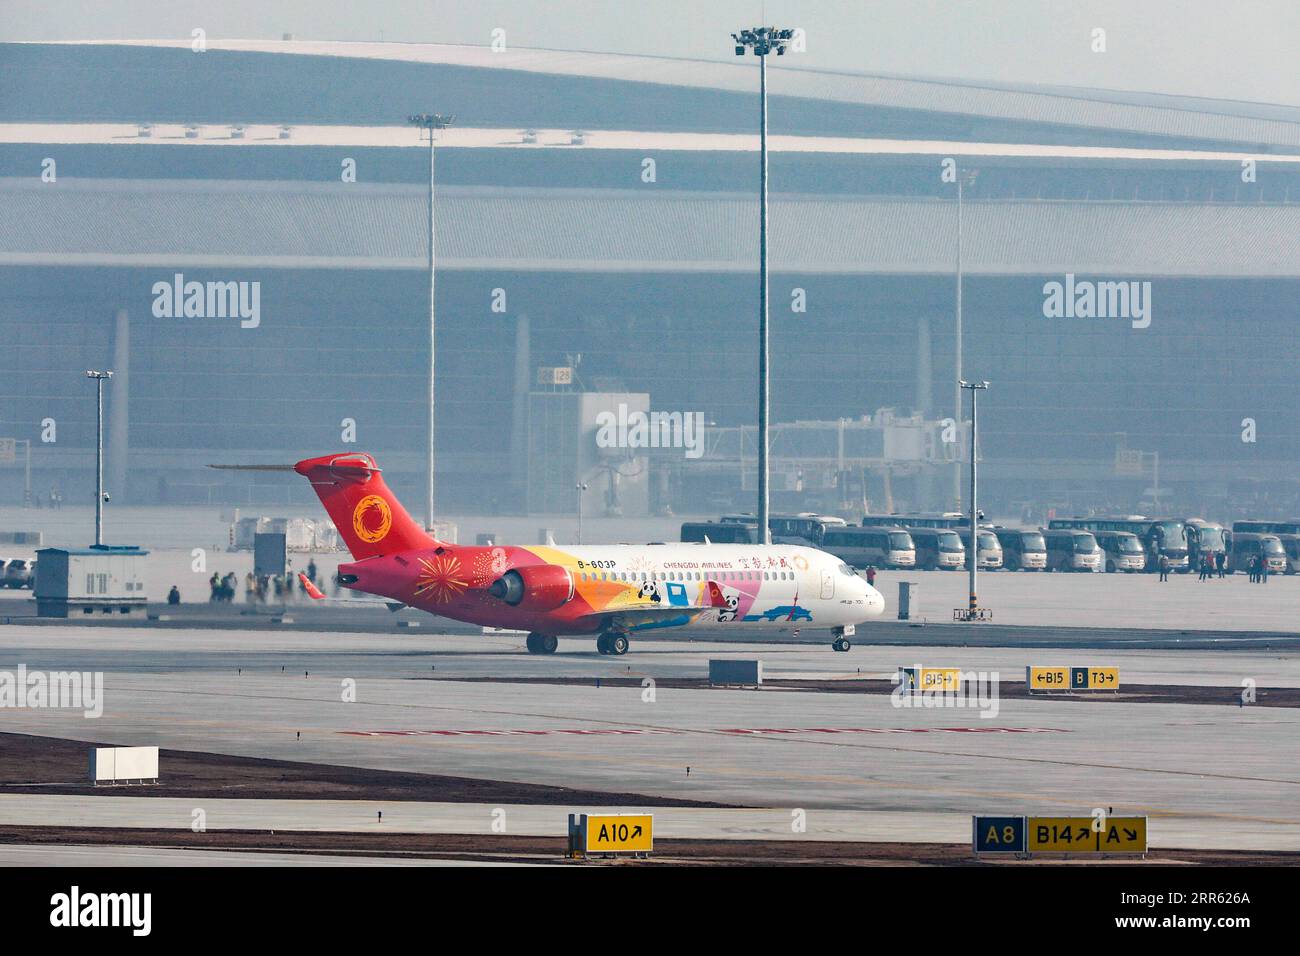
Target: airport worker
(174, 595)
(1164, 567)
(1263, 570)
(250, 587)
(311, 570)
(871, 574)
(1253, 569)
(214, 582)
(1221, 561)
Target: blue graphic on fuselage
(792, 612)
(671, 622)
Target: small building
(99, 580)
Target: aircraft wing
(634, 615)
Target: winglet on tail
(368, 515)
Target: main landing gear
(612, 642)
(842, 635)
(542, 643)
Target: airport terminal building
(254, 268)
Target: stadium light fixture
(763, 41)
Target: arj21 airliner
(609, 591)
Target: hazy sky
(1245, 50)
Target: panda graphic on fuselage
(649, 590)
(728, 613)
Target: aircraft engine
(543, 587)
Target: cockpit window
(845, 569)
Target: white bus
(1121, 551)
(866, 547)
(1167, 536)
(1248, 545)
(989, 550)
(938, 549)
(1023, 549)
(1072, 549)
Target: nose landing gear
(842, 635)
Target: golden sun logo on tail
(440, 578)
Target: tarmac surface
(861, 768)
(35, 854)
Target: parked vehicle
(1022, 549)
(1121, 551)
(989, 553)
(720, 532)
(883, 547)
(18, 574)
(1248, 545)
(1072, 550)
(805, 529)
(1268, 527)
(938, 549)
(1204, 539)
(1167, 536)
(954, 520)
(1291, 545)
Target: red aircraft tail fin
(716, 597)
(369, 517)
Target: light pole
(580, 487)
(963, 177)
(762, 40)
(431, 122)
(100, 497)
(973, 555)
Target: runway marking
(504, 733)
(895, 730)
(745, 731)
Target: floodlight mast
(973, 553)
(431, 122)
(763, 40)
(99, 378)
